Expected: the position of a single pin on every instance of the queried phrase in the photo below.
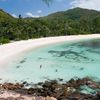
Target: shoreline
(11, 51)
(50, 89)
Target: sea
(65, 60)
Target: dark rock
(60, 79)
(10, 86)
(40, 83)
(25, 82)
(61, 91)
(98, 95)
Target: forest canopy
(71, 22)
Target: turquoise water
(87, 90)
(64, 60)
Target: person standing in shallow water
(56, 70)
(40, 66)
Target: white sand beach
(12, 50)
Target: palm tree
(47, 1)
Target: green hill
(4, 15)
(75, 14)
(75, 21)
(70, 22)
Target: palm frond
(48, 2)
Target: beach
(14, 50)
(11, 51)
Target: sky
(37, 8)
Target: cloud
(39, 11)
(89, 4)
(14, 15)
(29, 14)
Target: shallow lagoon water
(64, 60)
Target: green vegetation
(71, 22)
